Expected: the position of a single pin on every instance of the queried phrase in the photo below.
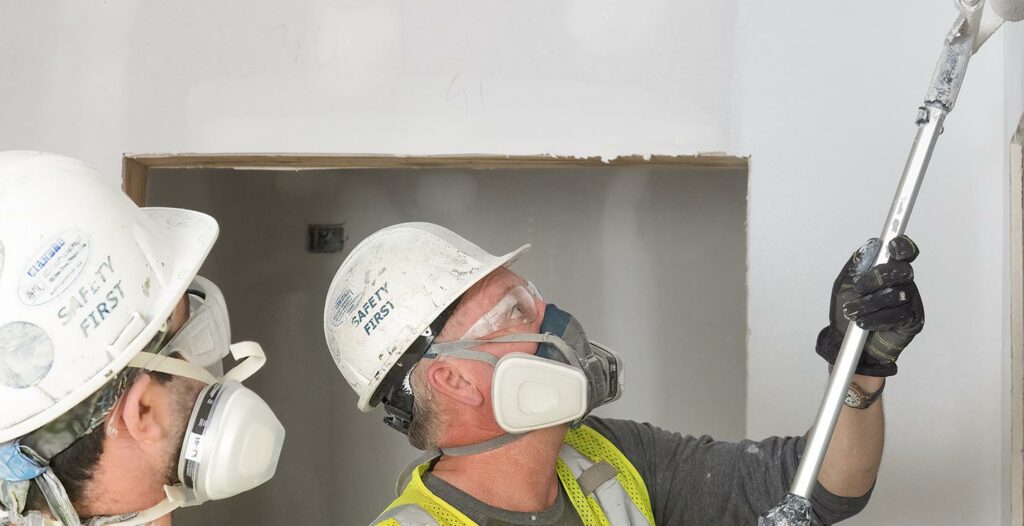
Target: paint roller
(998, 11)
(972, 27)
(1009, 10)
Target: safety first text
(99, 298)
(374, 310)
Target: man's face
(479, 300)
(476, 302)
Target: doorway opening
(649, 253)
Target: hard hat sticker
(344, 304)
(26, 354)
(54, 268)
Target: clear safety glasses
(517, 307)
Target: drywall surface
(652, 262)
(821, 94)
(827, 94)
(94, 79)
(1014, 113)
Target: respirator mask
(233, 439)
(563, 382)
(567, 378)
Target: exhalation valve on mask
(601, 365)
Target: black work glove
(883, 300)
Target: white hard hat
(390, 289)
(86, 280)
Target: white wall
(94, 79)
(821, 94)
(826, 99)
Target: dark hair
(76, 465)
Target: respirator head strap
(250, 357)
(457, 451)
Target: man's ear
(452, 380)
(146, 410)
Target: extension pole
(930, 126)
(945, 86)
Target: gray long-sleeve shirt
(691, 481)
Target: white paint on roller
(1009, 10)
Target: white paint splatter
(753, 449)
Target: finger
(887, 319)
(879, 300)
(865, 256)
(883, 276)
(915, 324)
(902, 248)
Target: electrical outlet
(325, 239)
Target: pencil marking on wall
(471, 92)
(450, 94)
(325, 46)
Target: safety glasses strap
(459, 349)
(567, 352)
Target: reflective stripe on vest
(620, 501)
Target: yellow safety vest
(604, 487)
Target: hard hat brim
(190, 236)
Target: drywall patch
(26, 354)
